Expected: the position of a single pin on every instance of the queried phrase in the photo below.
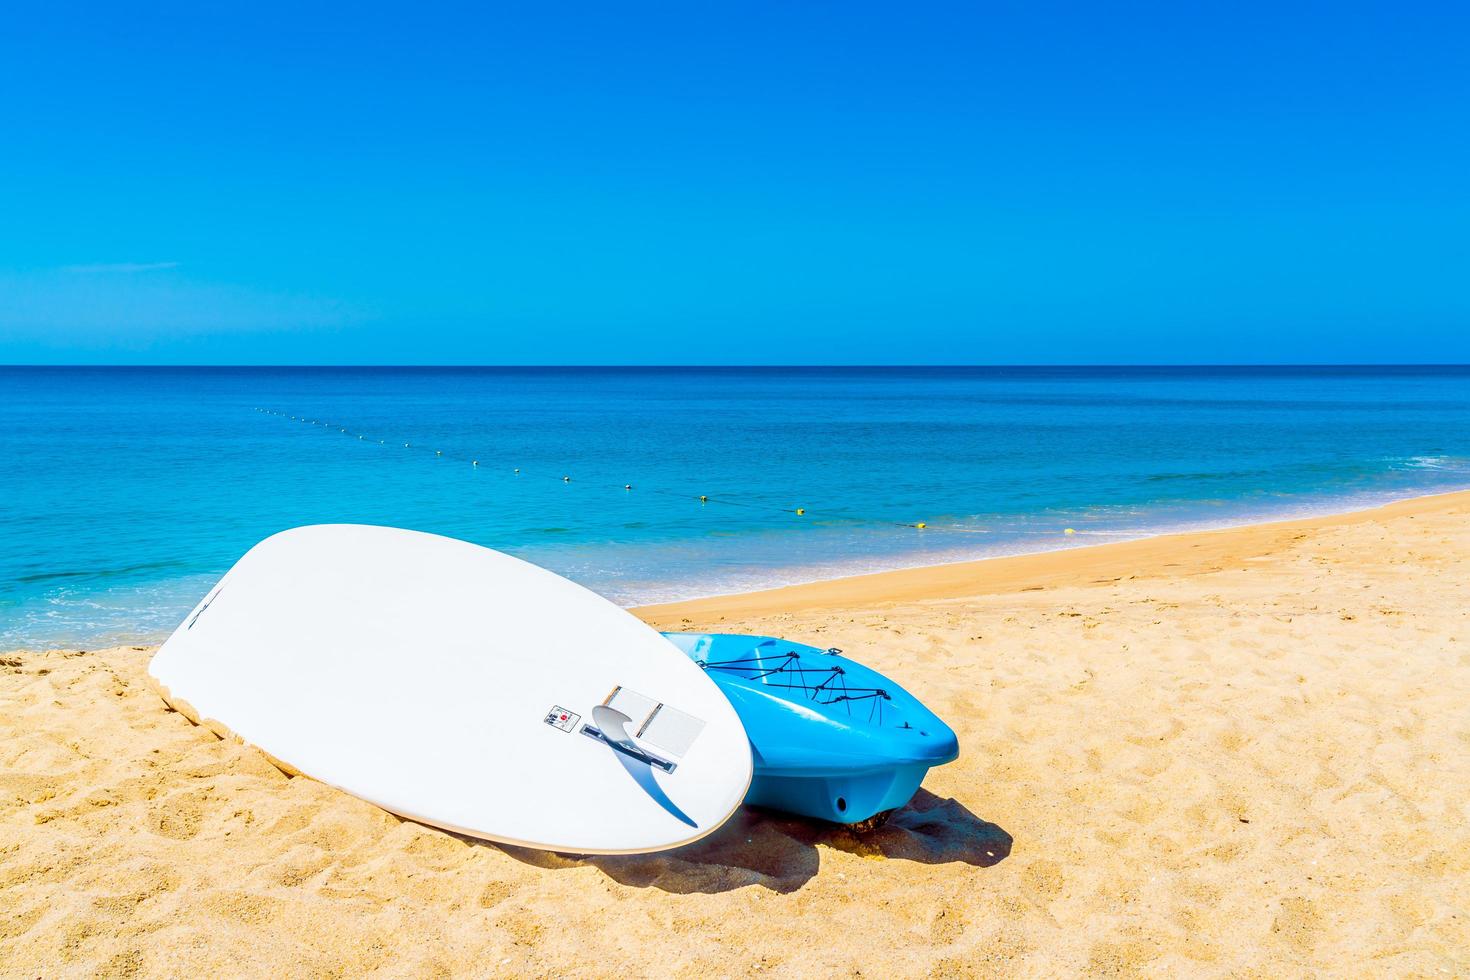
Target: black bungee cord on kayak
(832, 689)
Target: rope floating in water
(723, 499)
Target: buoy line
(702, 499)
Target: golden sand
(1239, 752)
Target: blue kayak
(831, 738)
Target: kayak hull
(831, 738)
(838, 797)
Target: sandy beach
(1239, 752)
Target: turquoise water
(124, 492)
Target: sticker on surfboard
(562, 719)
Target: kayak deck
(831, 738)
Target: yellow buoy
(703, 499)
(921, 525)
(1069, 530)
(800, 511)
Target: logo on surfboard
(562, 719)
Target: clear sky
(740, 183)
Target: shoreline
(1038, 570)
(1328, 507)
(952, 579)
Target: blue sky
(747, 183)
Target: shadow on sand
(759, 847)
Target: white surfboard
(460, 687)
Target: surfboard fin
(610, 727)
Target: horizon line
(745, 367)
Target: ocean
(125, 492)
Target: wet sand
(1238, 752)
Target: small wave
(1202, 477)
(1433, 463)
(97, 573)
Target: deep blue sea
(124, 492)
